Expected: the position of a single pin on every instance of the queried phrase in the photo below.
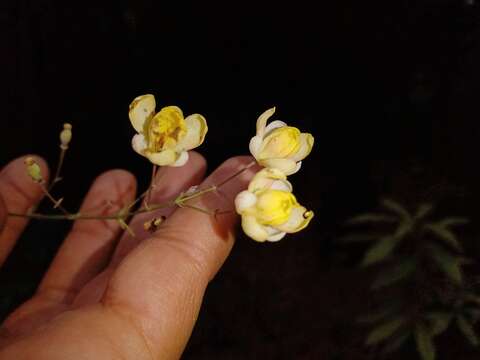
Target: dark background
(388, 88)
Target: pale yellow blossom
(268, 208)
(279, 146)
(166, 136)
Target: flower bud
(152, 225)
(33, 169)
(66, 136)
(279, 146)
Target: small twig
(79, 216)
(57, 177)
(56, 203)
(236, 174)
(152, 184)
(125, 212)
(216, 187)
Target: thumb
(159, 286)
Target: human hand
(108, 295)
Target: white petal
(196, 130)
(299, 219)
(272, 126)
(299, 165)
(274, 234)
(276, 237)
(262, 121)
(140, 109)
(139, 144)
(283, 185)
(286, 166)
(253, 229)
(255, 145)
(182, 159)
(306, 144)
(244, 200)
(163, 158)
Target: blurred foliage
(419, 286)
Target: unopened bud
(33, 169)
(152, 225)
(66, 136)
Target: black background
(388, 88)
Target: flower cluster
(268, 208)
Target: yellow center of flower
(274, 206)
(165, 129)
(281, 143)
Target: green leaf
(423, 210)
(395, 343)
(379, 315)
(439, 321)
(384, 331)
(453, 221)
(396, 208)
(403, 229)
(371, 218)
(445, 235)
(394, 274)
(381, 250)
(424, 341)
(448, 263)
(467, 329)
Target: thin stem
(205, 211)
(64, 217)
(216, 187)
(126, 213)
(152, 184)
(57, 177)
(236, 174)
(56, 203)
(196, 194)
(79, 216)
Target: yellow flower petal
(280, 143)
(272, 126)
(274, 207)
(298, 220)
(253, 229)
(287, 166)
(262, 121)
(267, 179)
(306, 145)
(140, 110)
(165, 129)
(162, 158)
(196, 130)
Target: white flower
(164, 137)
(268, 208)
(279, 146)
